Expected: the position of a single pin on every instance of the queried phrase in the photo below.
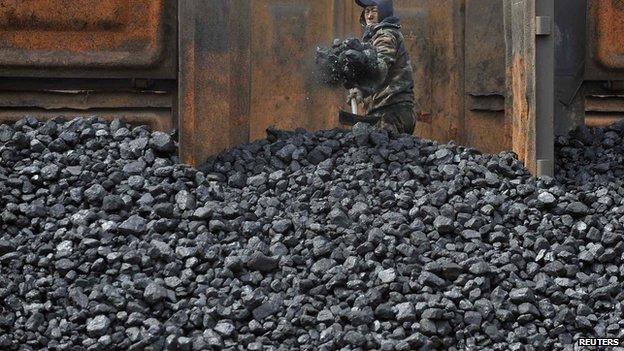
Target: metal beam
(530, 41)
(545, 87)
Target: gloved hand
(353, 67)
(350, 63)
(353, 57)
(356, 94)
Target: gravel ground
(332, 240)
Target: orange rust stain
(609, 16)
(522, 130)
(599, 121)
(80, 32)
(188, 108)
(54, 14)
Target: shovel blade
(350, 119)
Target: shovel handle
(354, 106)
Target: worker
(390, 98)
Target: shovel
(350, 119)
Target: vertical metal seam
(194, 81)
(252, 33)
(186, 81)
(545, 89)
(462, 13)
(249, 68)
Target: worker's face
(371, 15)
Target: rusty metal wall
(604, 89)
(604, 102)
(606, 40)
(88, 38)
(153, 109)
(242, 73)
(602, 110)
(285, 90)
(113, 59)
(416, 27)
(434, 33)
(249, 65)
(570, 31)
(458, 52)
(486, 125)
(215, 78)
(259, 70)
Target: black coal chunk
(260, 262)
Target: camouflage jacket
(396, 84)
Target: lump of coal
(349, 62)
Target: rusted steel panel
(285, 91)
(231, 90)
(610, 33)
(605, 103)
(485, 47)
(487, 103)
(73, 38)
(606, 40)
(520, 43)
(417, 30)
(435, 29)
(570, 45)
(152, 109)
(84, 100)
(570, 61)
(486, 127)
(346, 19)
(87, 32)
(214, 78)
(110, 85)
(600, 120)
(569, 116)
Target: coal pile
(591, 157)
(309, 241)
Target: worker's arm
(386, 46)
(368, 69)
